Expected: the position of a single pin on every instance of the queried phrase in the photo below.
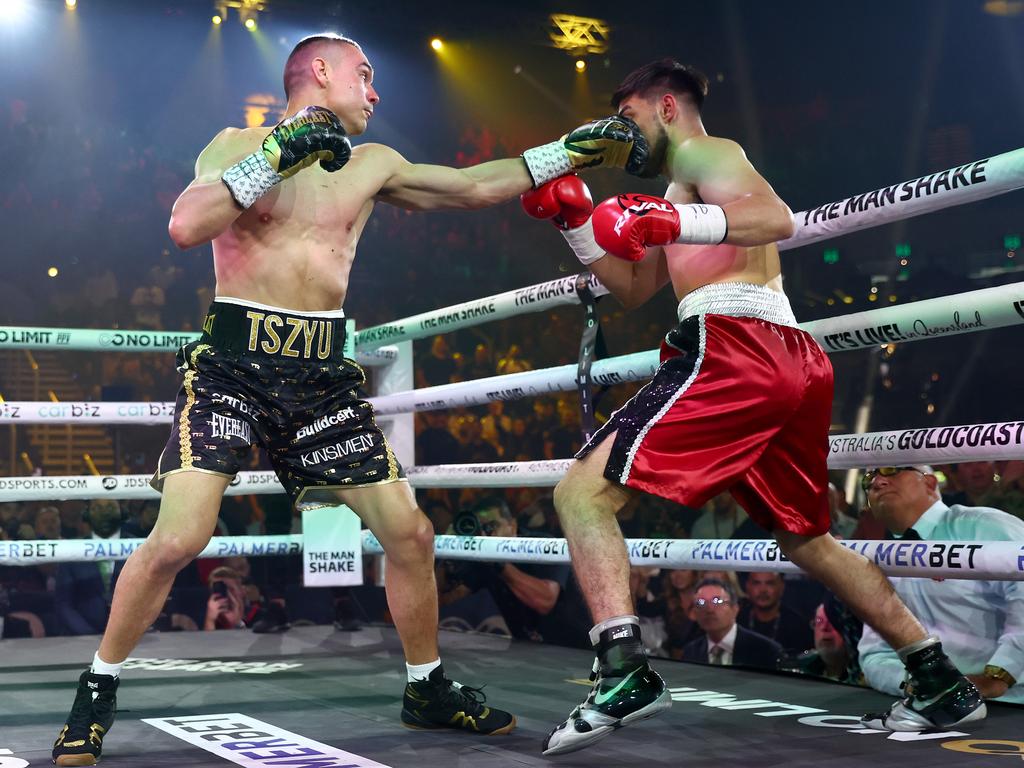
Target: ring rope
(929, 559)
(983, 309)
(116, 340)
(926, 445)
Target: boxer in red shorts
(741, 403)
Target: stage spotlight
(581, 65)
(13, 10)
(437, 44)
(70, 4)
(217, 19)
(53, 272)
(250, 24)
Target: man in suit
(84, 590)
(716, 606)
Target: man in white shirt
(981, 623)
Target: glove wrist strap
(547, 162)
(583, 244)
(702, 224)
(250, 178)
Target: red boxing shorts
(742, 402)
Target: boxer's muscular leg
(587, 504)
(407, 536)
(857, 582)
(188, 517)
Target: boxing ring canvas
(315, 688)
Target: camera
(219, 588)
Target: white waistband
(339, 312)
(738, 300)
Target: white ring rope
(979, 310)
(926, 445)
(948, 559)
(116, 340)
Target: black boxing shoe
(614, 701)
(80, 741)
(438, 702)
(936, 695)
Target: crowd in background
(782, 621)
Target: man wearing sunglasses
(725, 642)
(981, 622)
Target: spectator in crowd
(148, 302)
(482, 364)
(563, 440)
(720, 519)
(437, 367)
(680, 623)
(730, 577)
(230, 605)
(980, 623)
(47, 523)
(843, 522)
(513, 362)
(495, 425)
(439, 513)
(831, 657)
(716, 606)
(766, 614)
(474, 449)
(72, 524)
(517, 442)
(17, 624)
(535, 600)
(978, 485)
(649, 606)
(84, 590)
(434, 443)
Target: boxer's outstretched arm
(420, 187)
(723, 176)
(206, 208)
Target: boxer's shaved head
(665, 75)
(324, 45)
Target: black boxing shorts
(279, 379)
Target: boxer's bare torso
(691, 266)
(295, 246)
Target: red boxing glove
(625, 225)
(565, 200)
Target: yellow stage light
(217, 19)
(250, 24)
(52, 271)
(581, 65)
(70, 4)
(437, 44)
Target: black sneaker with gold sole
(438, 702)
(81, 739)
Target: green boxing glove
(313, 134)
(611, 142)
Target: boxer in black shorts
(280, 379)
(284, 209)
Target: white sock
(419, 672)
(100, 667)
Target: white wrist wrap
(702, 224)
(250, 178)
(583, 244)
(547, 162)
